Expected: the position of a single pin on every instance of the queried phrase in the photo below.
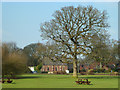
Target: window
(43, 69)
(63, 68)
(60, 68)
(55, 68)
(82, 65)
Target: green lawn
(62, 81)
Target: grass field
(62, 81)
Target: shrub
(115, 69)
(114, 73)
(38, 67)
(59, 72)
(90, 72)
(13, 63)
(71, 71)
(35, 68)
(44, 72)
(63, 72)
(99, 70)
(83, 73)
(55, 72)
(107, 71)
(83, 70)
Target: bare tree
(73, 28)
(35, 53)
(101, 49)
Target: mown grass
(62, 81)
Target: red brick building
(90, 66)
(50, 66)
(95, 65)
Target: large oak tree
(73, 28)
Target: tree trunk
(78, 67)
(100, 65)
(75, 69)
(75, 62)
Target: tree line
(16, 60)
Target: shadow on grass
(25, 77)
(85, 84)
(9, 83)
(99, 77)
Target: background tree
(35, 53)
(105, 52)
(101, 49)
(13, 63)
(114, 56)
(73, 28)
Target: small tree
(38, 67)
(73, 28)
(35, 53)
(13, 63)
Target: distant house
(96, 65)
(50, 66)
(89, 66)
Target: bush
(44, 72)
(99, 70)
(55, 72)
(13, 64)
(115, 73)
(83, 73)
(35, 68)
(71, 71)
(63, 72)
(38, 67)
(59, 72)
(83, 70)
(107, 71)
(115, 69)
(90, 72)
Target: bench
(80, 81)
(8, 81)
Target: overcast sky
(21, 20)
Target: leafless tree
(73, 28)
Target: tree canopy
(73, 30)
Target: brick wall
(51, 68)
